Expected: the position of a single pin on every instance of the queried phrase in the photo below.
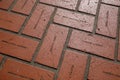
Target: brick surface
(113, 2)
(38, 21)
(92, 43)
(11, 21)
(103, 70)
(88, 6)
(17, 46)
(70, 4)
(21, 71)
(24, 6)
(52, 46)
(59, 40)
(75, 20)
(5, 4)
(107, 20)
(119, 47)
(73, 66)
(1, 58)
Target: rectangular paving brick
(5, 4)
(113, 2)
(17, 46)
(107, 20)
(75, 20)
(70, 4)
(103, 70)
(94, 44)
(24, 6)
(88, 6)
(38, 21)
(11, 21)
(14, 70)
(73, 66)
(52, 46)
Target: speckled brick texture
(59, 40)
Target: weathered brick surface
(107, 20)
(73, 66)
(11, 21)
(70, 4)
(52, 46)
(24, 6)
(88, 6)
(103, 70)
(5, 4)
(38, 21)
(21, 71)
(92, 43)
(75, 20)
(113, 2)
(17, 46)
(59, 40)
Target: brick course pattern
(93, 43)
(17, 46)
(38, 21)
(11, 21)
(105, 70)
(107, 20)
(24, 6)
(10, 72)
(59, 40)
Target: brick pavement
(59, 40)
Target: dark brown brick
(70, 4)
(92, 43)
(52, 46)
(75, 20)
(38, 21)
(11, 21)
(107, 20)
(73, 66)
(24, 6)
(103, 70)
(88, 6)
(14, 70)
(17, 46)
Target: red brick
(17, 46)
(75, 20)
(88, 6)
(5, 4)
(52, 46)
(113, 2)
(24, 6)
(1, 58)
(92, 43)
(103, 70)
(38, 21)
(11, 21)
(119, 47)
(14, 70)
(70, 4)
(73, 66)
(107, 20)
